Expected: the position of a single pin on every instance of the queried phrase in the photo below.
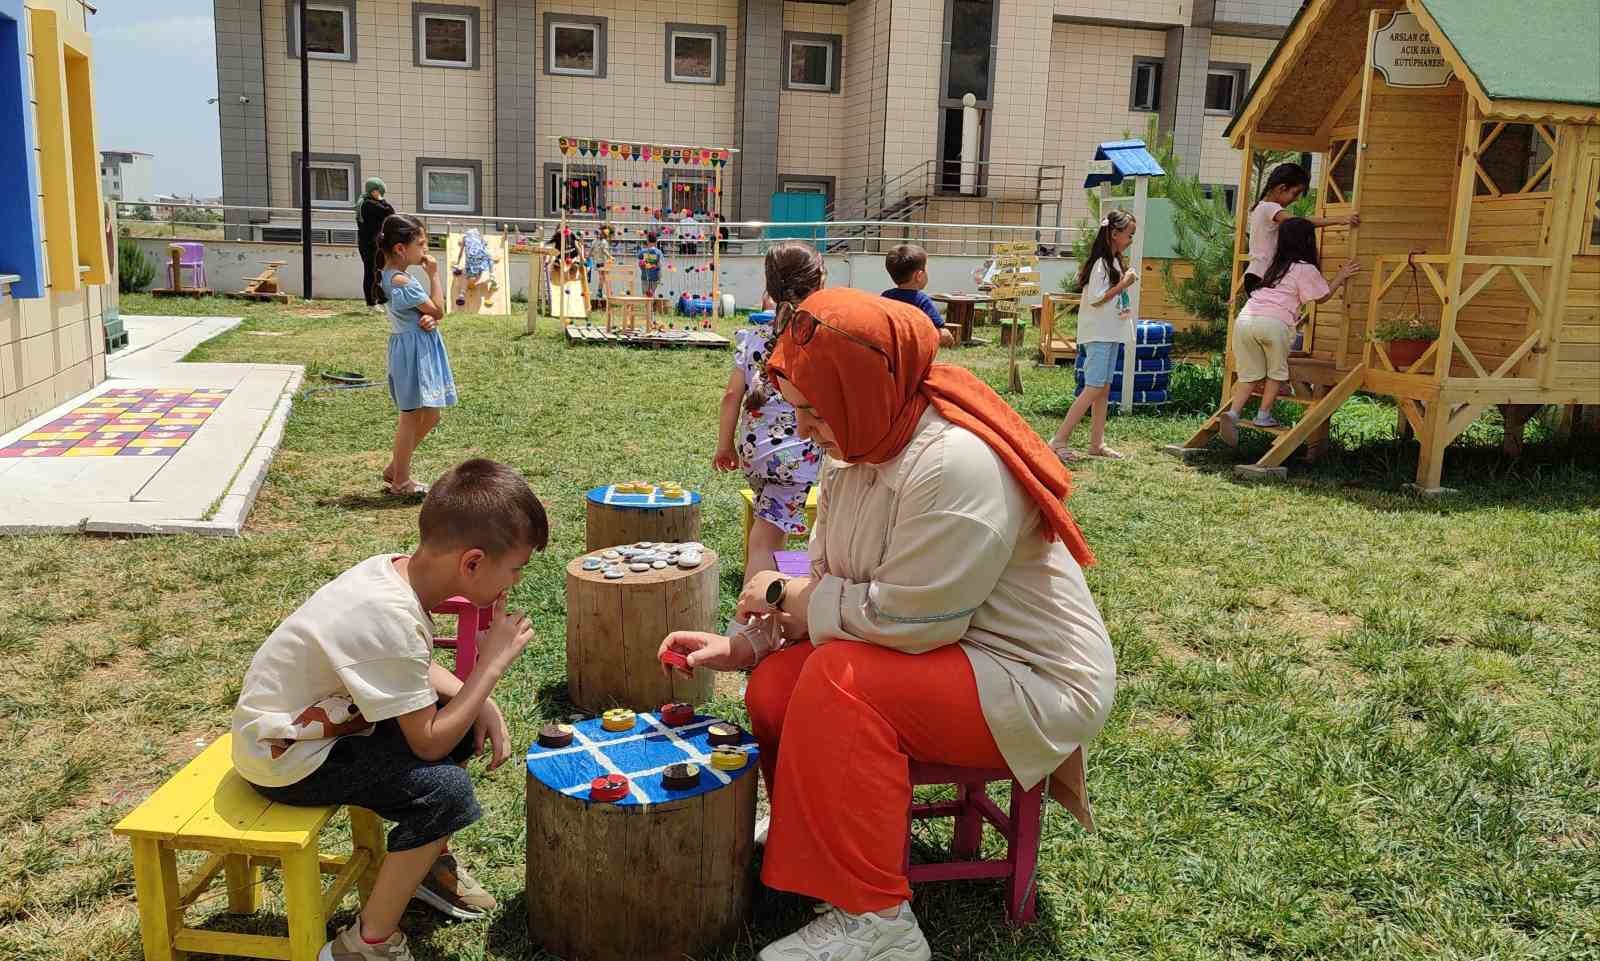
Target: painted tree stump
(615, 627)
(624, 517)
(660, 874)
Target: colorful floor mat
(131, 422)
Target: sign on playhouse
(1404, 52)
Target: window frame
(472, 168)
(1589, 238)
(703, 178)
(1240, 73)
(828, 185)
(718, 35)
(1158, 66)
(553, 169)
(832, 42)
(422, 12)
(292, 29)
(350, 162)
(596, 25)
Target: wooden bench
(208, 807)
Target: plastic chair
(972, 806)
(471, 620)
(193, 260)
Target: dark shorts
(427, 800)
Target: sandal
(1107, 453)
(1066, 454)
(408, 489)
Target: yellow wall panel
(55, 149)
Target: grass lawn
(1351, 725)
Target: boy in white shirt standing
(343, 704)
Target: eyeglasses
(802, 327)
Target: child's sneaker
(349, 946)
(1266, 420)
(840, 936)
(1228, 428)
(450, 889)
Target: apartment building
(127, 175)
(457, 105)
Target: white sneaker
(839, 936)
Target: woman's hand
(714, 652)
(725, 459)
(797, 594)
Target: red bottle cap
(677, 714)
(611, 787)
(672, 658)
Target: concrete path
(207, 487)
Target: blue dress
(419, 368)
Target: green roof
(1529, 50)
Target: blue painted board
(21, 250)
(641, 754)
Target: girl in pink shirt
(1286, 184)
(1266, 326)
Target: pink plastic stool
(971, 807)
(793, 563)
(470, 621)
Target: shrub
(134, 270)
(1194, 388)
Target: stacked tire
(1152, 366)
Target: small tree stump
(615, 627)
(615, 518)
(657, 876)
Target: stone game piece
(689, 560)
(615, 574)
(660, 565)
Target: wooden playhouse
(1467, 135)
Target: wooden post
(1360, 147)
(1241, 257)
(1460, 225)
(244, 879)
(302, 902)
(1130, 335)
(1567, 175)
(367, 834)
(155, 882)
(716, 247)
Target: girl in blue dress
(419, 369)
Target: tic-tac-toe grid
(126, 422)
(641, 754)
(612, 497)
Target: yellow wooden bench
(208, 807)
(749, 497)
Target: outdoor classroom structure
(1467, 136)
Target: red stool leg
(968, 836)
(1022, 851)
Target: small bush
(1194, 389)
(134, 270)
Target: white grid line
(605, 762)
(578, 789)
(687, 748)
(532, 755)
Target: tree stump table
(660, 874)
(625, 516)
(615, 627)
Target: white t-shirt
(1106, 322)
(1263, 237)
(357, 652)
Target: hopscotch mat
(128, 422)
(640, 755)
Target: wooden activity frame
(1510, 275)
(499, 302)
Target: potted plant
(1408, 337)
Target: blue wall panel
(20, 251)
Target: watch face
(775, 592)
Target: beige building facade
(456, 105)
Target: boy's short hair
(904, 261)
(484, 504)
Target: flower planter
(1403, 353)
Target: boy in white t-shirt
(343, 704)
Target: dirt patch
(314, 313)
(1170, 726)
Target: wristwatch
(775, 592)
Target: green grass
(1351, 724)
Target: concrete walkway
(210, 482)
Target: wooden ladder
(1289, 438)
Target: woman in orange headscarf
(946, 619)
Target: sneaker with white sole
(349, 946)
(448, 888)
(1228, 428)
(840, 936)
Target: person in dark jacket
(370, 214)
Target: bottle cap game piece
(675, 659)
(611, 787)
(677, 714)
(723, 733)
(681, 777)
(728, 758)
(617, 719)
(555, 735)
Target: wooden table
(963, 314)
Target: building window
(1225, 83)
(813, 61)
(683, 190)
(1144, 93)
(330, 29)
(574, 46)
(1228, 192)
(1515, 158)
(449, 186)
(694, 53)
(801, 184)
(580, 190)
(1591, 229)
(447, 36)
(335, 180)
(969, 60)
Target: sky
(155, 65)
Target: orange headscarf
(873, 415)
